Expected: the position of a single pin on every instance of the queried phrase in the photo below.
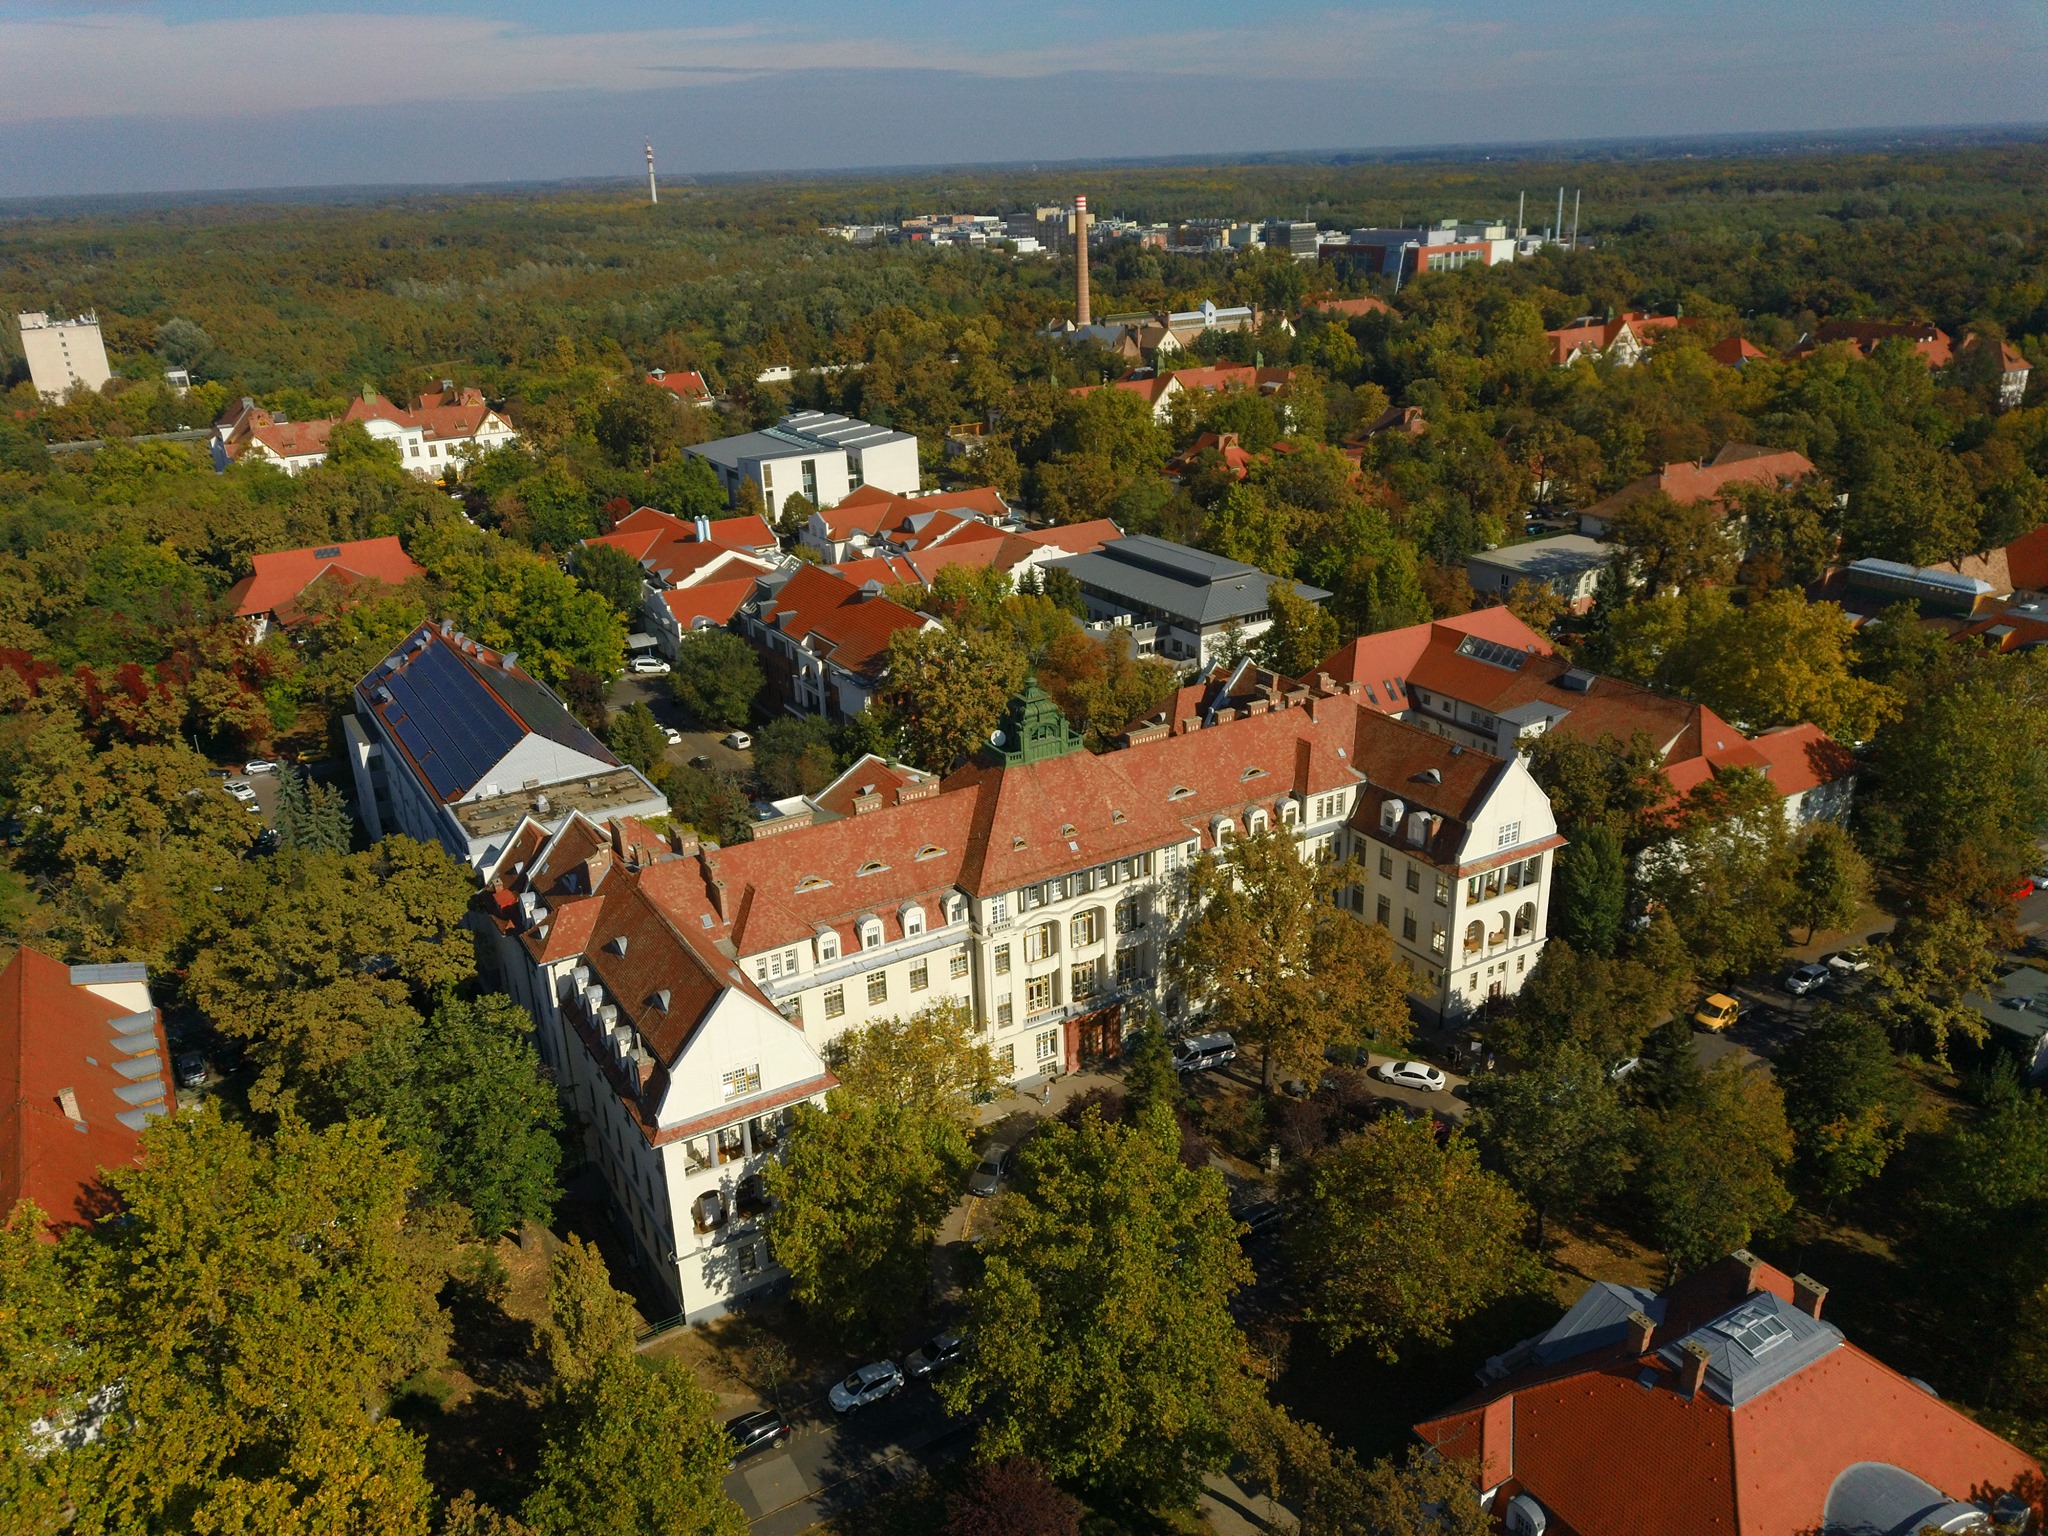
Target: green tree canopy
(1398, 1239)
(1280, 965)
(1556, 1132)
(944, 691)
(931, 1063)
(718, 678)
(1846, 1100)
(1104, 1345)
(1713, 1165)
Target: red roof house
(686, 385)
(1624, 339)
(82, 1071)
(872, 521)
(1724, 1406)
(275, 592)
(826, 640)
(1686, 483)
(1865, 336)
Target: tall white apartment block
(63, 353)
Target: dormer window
(872, 867)
(871, 933)
(1180, 792)
(913, 920)
(828, 948)
(1251, 773)
(930, 851)
(1391, 814)
(1255, 823)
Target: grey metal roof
(1172, 578)
(107, 975)
(1598, 1318)
(797, 434)
(1875, 1498)
(1753, 1347)
(1545, 559)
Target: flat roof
(795, 435)
(1566, 553)
(596, 795)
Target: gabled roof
(1076, 538)
(913, 522)
(1865, 336)
(848, 625)
(455, 709)
(57, 1035)
(1591, 333)
(686, 383)
(1686, 483)
(1775, 1442)
(1174, 578)
(715, 602)
(1734, 351)
(288, 439)
(281, 576)
(441, 422)
(1351, 307)
(670, 549)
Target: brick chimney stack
(1808, 1295)
(1693, 1367)
(1640, 1331)
(1082, 313)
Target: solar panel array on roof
(1492, 652)
(453, 727)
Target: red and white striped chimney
(1081, 313)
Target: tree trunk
(1266, 1071)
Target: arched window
(1475, 936)
(1525, 919)
(828, 948)
(913, 919)
(871, 933)
(1255, 823)
(1287, 813)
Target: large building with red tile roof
(83, 1068)
(2007, 361)
(697, 572)
(1621, 340)
(442, 432)
(825, 640)
(1727, 1405)
(1488, 680)
(680, 1072)
(686, 384)
(1864, 337)
(277, 591)
(1709, 480)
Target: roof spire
(1033, 730)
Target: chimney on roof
(1640, 1331)
(1808, 1295)
(67, 1100)
(1746, 1275)
(1190, 724)
(718, 899)
(703, 530)
(685, 843)
(1692, 1368)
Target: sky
(176, 95)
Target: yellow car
(1717, 1012)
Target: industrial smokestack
(1557, 230)
(1081, 312)
(1575, 216)
(652, 195)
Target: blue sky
(142, 95)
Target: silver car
(869, 1384)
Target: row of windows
(1509, 877)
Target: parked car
(1347, 1055)
(700, 761)
(1620, 1070)
(739, 741)
(1200, 1053)
(1802, 979)
(191, 1069)
(934, 1355)
(2023, 890)
(240, 789)
(750, 1432)
(994, 1168)
(1853, 961)
(647, 666)
(673, 736)
(1717, 1012)
(869, 1384)
(1411, 1074)
(261, 765)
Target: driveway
(696, 742)
(1454, 1101)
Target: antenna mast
(652, 195)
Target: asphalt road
(831, 1465)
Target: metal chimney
(1082, 315)
(652, 195)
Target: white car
(869, 1384)
(647, 666)
(739, 741)
(1411, 1074)
(674, 736)
(240, 789)
(261, 765)
(1802, 979)
(1853, 961)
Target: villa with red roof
(1488, 680)
(1687, 483)
(1726, 1405)
(445, 430)
(1866, 336)
(84, 1067)
(825, 641)
(871, 521)
(687, 385)
(277, 591)
(697, 573)
(1622, 340)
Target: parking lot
(697, 742)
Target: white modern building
(820, 454)
(1569, 565)
(63, 354)
(451, 743)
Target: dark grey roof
(799, 433)
(456, 716)
(108, 975)
(1755, 1346)
(1875, 1498)
(730, 452)
(1172, 578)
(1598, 1318)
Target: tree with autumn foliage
(1272, 958)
